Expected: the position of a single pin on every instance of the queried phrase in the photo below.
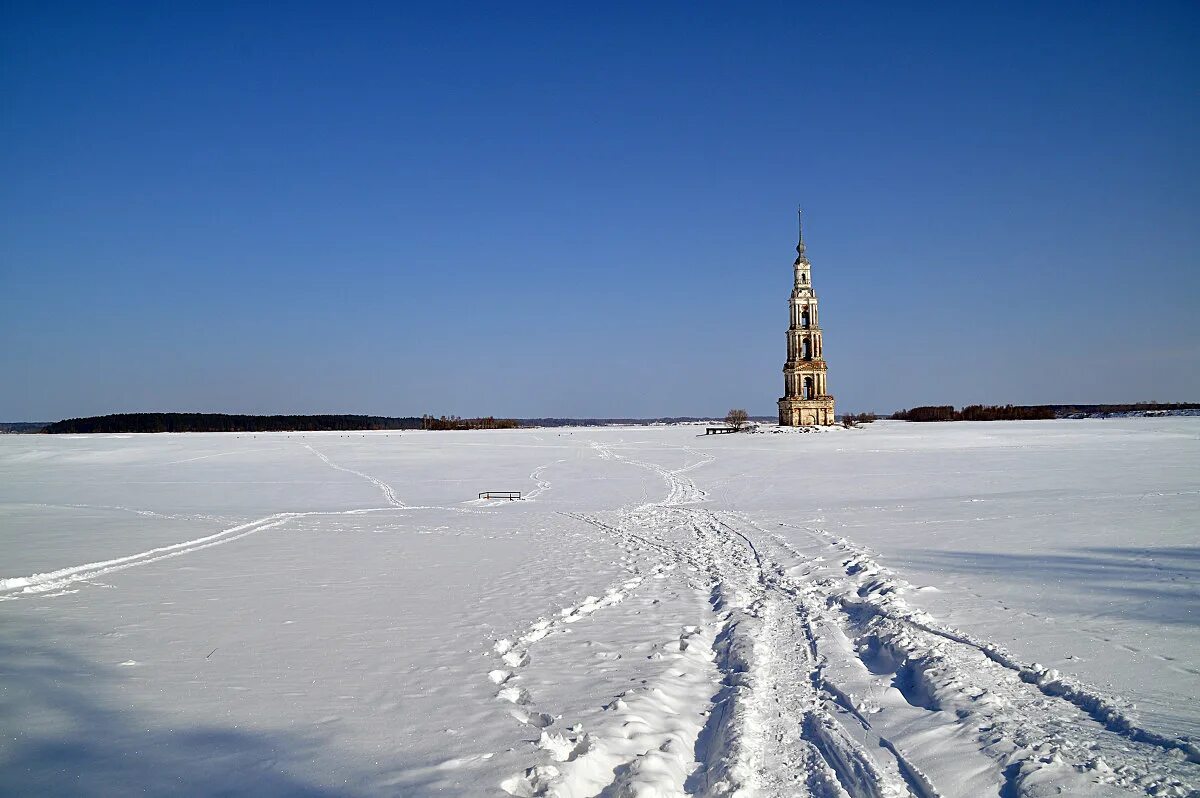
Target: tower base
(806, 412)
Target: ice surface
(964, 609)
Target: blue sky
(559, 209)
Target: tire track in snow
(49, 581)
(1019, 724)
(1049, 681)
(543, 485)
(210, 456)
(803, 658)
(682, 490)
(135, 511)
(390, 495)
(768, 728)
(540, 486)
(779, 733)
(39, 583)
(384, 488)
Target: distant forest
(454, 422)
(604, 422)
(21, 426)
(1032, 412)
(974, 413)
(220, 422)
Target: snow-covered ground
(970, 609)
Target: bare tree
(736, 418)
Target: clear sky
(589, 210)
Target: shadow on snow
(68, 731)
(1157, 584)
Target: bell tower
(806, 400)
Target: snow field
(665, 614)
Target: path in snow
(826, 683)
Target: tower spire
(800, 228)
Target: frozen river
(967, 609)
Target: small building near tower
(806, 400)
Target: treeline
(1139, 407)
(221, 422)
(20, 427)
(454, 422)
(975, 413)
(1033, 412)
(607, 422)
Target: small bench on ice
(501, 494)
